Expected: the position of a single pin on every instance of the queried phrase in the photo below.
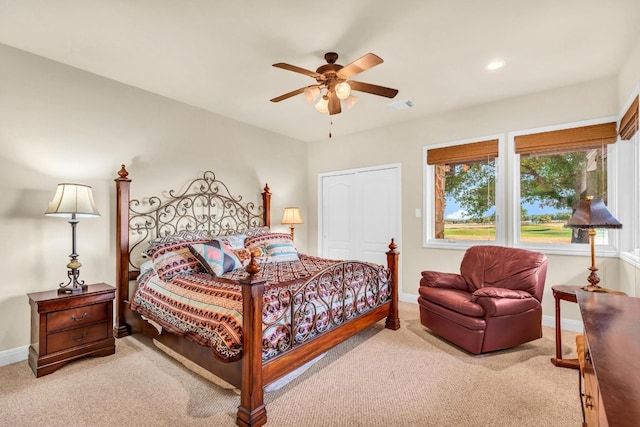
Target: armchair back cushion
(486, 266)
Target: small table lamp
(591, 214)
(73, 201)
(292, 216)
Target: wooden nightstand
(65, 327)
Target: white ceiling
(217, 55)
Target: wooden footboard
(255, 374)
(250, 373)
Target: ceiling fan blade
(334, 104)
(288, 95)
(297, 69)
(374, 89)
(359, 65)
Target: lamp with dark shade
(292, 216)
(73, 201)
(591, 214)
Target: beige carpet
(407, 377)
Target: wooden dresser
(65, 327)
(611, 372)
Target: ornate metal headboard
(205, 203)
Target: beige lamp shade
(292, 216)
(73, 199)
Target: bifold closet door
(360, 214)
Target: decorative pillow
(244, 255)
(235, 241)
(255, 232)
(215, 256)
(181, 236)
(172, 258)
(278, 247)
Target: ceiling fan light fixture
(311, 93)
(351, 101)
(343, 90)
(323, 105)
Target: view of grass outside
(552, 232)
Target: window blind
(629, 122)
(474, 151)
(566, 139)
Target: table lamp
(591, 214)
(73, 201)
(292, 216)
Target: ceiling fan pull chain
(330, 125)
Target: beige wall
(61, 124)
(629, 75)
(403, 144)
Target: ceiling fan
(333, 84)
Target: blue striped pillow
(282, 251)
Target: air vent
(401, 105)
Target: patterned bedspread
(301, 300)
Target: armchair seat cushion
(467, 323)
(453, 299)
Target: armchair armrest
(436, 279)
(502, 301)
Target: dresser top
(612, 326)
(96, 288)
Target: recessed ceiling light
(495, 64)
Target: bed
(239, 302)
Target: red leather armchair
(494, 303)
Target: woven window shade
(463, 153)
(567, 139)
(629, 122)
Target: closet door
(360, 213)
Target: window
(629, 184)
(460, 199)
(554, 171)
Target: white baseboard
(409, 298)
(14, 355)
(565, 324)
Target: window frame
(428, 185)
(513, 218)
(629, 142)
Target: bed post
(393, 320)
(252, 411)
(266, 206)
(123, 183)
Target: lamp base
(600, 289)
(73, 286)
(593, 288)
(72, 290)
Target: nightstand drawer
(75, 317)
(76, 337)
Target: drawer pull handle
(83, 336)
(78, 319)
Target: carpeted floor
(380, 377)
